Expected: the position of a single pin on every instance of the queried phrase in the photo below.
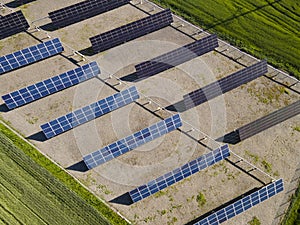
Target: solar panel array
(131, 142)
(90, 112)
(30, 55)
(176, 57)
(268, 121)
(131, 31)
(12, 24)
(50, 86)
(179, 174)
(83, 10)
(225, 84)
(243, 204)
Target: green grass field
(30, 194)
(266, 29)
(293, 215)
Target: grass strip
(68, 194)
(293, 215)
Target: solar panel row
(131, 31)
(225, 84)
(179, 174)
(268, 121)
(50, 86)
(131, 142)
(243, 204)
(176, 57)
(90, 112)
(83, 10)
(30, 55)
(12, 24)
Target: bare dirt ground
(275, 150)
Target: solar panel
(12, 24)
(18, 3)
(243, 204)
(268, 121)
(225, 84)
(131, 142)
(176, 57)
(179, 174)
(83, 10)
(90, 112)
(50, 86)
(30, 55)
(131, 31)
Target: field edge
(284, 66)
(63, 176)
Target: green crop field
(293, 214)
(265, 29)
(30, 194)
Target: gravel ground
(275, 150)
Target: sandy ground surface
(277, 147)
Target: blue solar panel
(243, 204)
(179, 174)
(131, 142)
(30, 55)
(50, 86)
(90, 112)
